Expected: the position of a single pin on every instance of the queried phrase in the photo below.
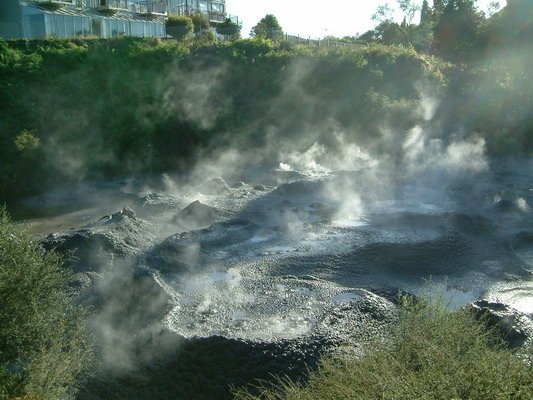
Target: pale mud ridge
(221, 282)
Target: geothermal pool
(282, 254)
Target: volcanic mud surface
(215, 284)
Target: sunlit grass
(434, 354)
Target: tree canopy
(268, 27)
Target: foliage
(200, 22)
(425, 13)
(44, 349)
(229, 29)
(268, 27)
(179, 27)
(26, 141)
(434, 354)
(459, 29)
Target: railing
(216, 16)
(113, 4)
(213, 14)
(157, 8)
(58, 3)
(324, 42)
(55, 1)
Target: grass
(434, 354)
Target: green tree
(458, 31)
(268, 27)
(44, 350)
(425, 13)
(409, 9)
(513, 25)
(179, 27)
(438, 8)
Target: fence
(325, 42)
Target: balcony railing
(112, 6)
(213, 15)
(217, 16)
(151, 8)
(55, 4)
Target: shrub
(229, 29)
(200, 22)
(435, 354)
(179, 27)
(44, 350)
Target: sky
(315, 19)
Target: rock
(84, 280)
(90, 248)
(155, 203)
(260, 188)
(358, 318)
(197, 215)
(237, 185)
(185, 251)
(515, 327)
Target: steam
(423, 153)
(362, 173)
(321, 159)
(195, 96)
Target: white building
(37, 19)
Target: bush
(179, 27)
(200, 22)
(229, 29)
(435, 354)
(44, 351)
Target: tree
(387, 32)
(268, 27)
(438, 7)
(513, 25)
(458, 30)
(383, 14)
(409, 9)
(179, 27)
(425, 13)
(229, 29)
(200, 22)
(44, 349)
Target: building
(37, 19)
(214, 9)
